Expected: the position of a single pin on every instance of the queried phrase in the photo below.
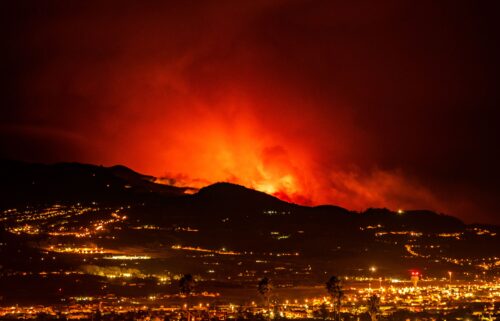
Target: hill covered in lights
(56, 217)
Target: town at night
(249, 161)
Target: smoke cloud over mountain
(360, 105)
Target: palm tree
(186, 288)
(334, 288)
(187, 284)
(264, 287)
(373, 304)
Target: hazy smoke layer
(353, 104)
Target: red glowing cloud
(330, 103)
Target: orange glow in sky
(335, 103)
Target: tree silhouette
(373, 304)
(264, 287)
(334, 289)
(186, 288)
(187, 284)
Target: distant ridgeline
(43, 204)
(24, 184)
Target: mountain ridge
(119, 209)
(36, 182)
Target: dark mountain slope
(25, 183)
(30, 184)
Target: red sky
(386, 104)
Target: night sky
(360, 104)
